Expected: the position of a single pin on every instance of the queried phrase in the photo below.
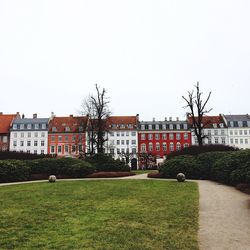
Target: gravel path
(224, 217)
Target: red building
(157, 139)
(5, 125)
(66, 136)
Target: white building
(238, 130)
(122, 138)
(215, 129)
(29, 135)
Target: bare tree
(97, 108)
(197, 110)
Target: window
(127, 142)
(122, 133)
(29, 126)
(171, 147)
(185, 126)
(246, 141)
(241, 141)
(150, 136)
(150, 147)
(42, 152)
(164, 146)
(186, 145)
(117, 133)
(59, 149)
(73, 138)
(150, 127)
(178, 146)
(133, 133)
(112, 151)
(14, 143)
(35, 151)
(36, 126)
(123, 151)
(232, 141)
(215, 132)
(209, 140)
(52, 149)
(15, 135)
(142, 127)
(178, 136)
(118, 142)
(43, 134)
(111, 133)
(171, 136)
(54, 129)
(157, 126)
(223, 140)
(122, 142)
(21, 126)
(134, 150)
(80, 147)
(36, 134)
(44, 126)
(42, 143)
(185, 136)
(216, 140)
(142, 136)
(171, 126)
(66, 138)
(29, 134)
(133, 142)
(158, 146)
(236, 141)
(52, 138)
(245, 132)
(60, 138)
(127, 150)
(143, 147)
(35, 143)
(73, 148)
(127, 133)
(28, 143)
(66, 148)
(164, 126)
(67, 129)
(240, 132)
(222, 132)
(118, 151)
(122, 126)
(157, 136)
(14, 126)
(235, 132)
(28, 151)
(5, 139)
(164, 136)
(22, 135)
(21, 143)
(231, 132)
(178, 126)
(209, 132)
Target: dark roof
(235, 121)
(31, 121)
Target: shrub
(105, 163)
(195, 150)
(80, 170)
(185, 164)
(14, 170)
(12, 155)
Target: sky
(147, 54)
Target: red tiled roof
(123, 120)
(61, 123)
(5, 122)
(208, 121)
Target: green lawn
(111, 214)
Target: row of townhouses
(143, 143)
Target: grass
(114, 214)
(144, 171)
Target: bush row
(230, 168)
(19, 170)
(7, 155)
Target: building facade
(6, 121)
(66, 136)
(214, 128)
(238, 130)
(156, 139)
(29, 135)
(122, 138)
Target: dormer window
(113, 125)
(80, 128)
(240, 124)
(221, 125)
(150, 127)
(185, 126)
(171, 126)
(142, 127)
(130, 126)
(214, 125)
(21, 126)
(29, 126)
(44, 126)
(157, 126)
(178, 126)
(67, 129)
(36, 126)
(54, 129)
(122, 126)
(14, 126)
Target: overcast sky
(147, 54)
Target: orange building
(66, 136)
(5, 124)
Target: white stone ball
(180, 177)
(52, 178)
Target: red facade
(66, 136)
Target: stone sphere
(180, 177)
(52, 178)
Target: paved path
(224, 217)
(224, 214)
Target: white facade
(122, 142)
(29, 135)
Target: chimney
(177, 119)
(34, 116)
(52, 115)
(166, 119)
(23, 116)
(18, 115)
(1, 113)
(153, 119)
(71, 116)
(170, 119)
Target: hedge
(105, 163)
(16, 170)
(12, 155)
(231, 168)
